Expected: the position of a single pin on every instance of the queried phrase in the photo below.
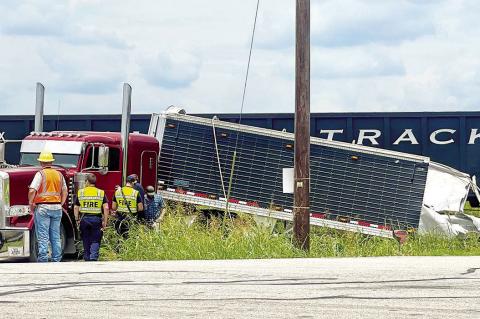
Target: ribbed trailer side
(351, 184)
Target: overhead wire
(234, 157)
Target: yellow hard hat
(46, 157)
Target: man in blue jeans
(90, 204)
(46, 196)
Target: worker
(154, 207)
(90, 203)
(126, 203)
(46, 196)
(138, 187)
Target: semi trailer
(236, 167)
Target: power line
(243, 104)
(248, 64)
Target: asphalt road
(392, 287)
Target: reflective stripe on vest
(130, 196)
(91, 200)
(50, 187)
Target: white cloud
(353, 22)
(53, 19)
(338, 23)
(83, 70)
(31, 18)
(171, 70)
(358, 62)
(370, 55)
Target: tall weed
(240, 238)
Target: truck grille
(71, 190)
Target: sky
(375, 55)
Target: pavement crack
(470, 271)
(264, 299)
(103, 272)
(58, 286)
(281, 282)
(289, 280)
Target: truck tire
(34, 243)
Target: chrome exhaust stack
(2, 150)
(39, 106)
(126, 113)
(4, 202)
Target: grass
(474, 211)
(241, 238)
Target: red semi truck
(106, 154)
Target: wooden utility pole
(301, 205)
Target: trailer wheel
(473, 201)
(209, 214)
(34, 244)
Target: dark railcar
(446, 137)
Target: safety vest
(91, 200)
(129, 196)
(50, 187)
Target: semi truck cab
(76, 154)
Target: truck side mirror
(103, 156)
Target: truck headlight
(17, 210)
(10, 211)
(4, 189)
(4, 198)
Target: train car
(450, 138)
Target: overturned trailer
(446, 192)
(211, 163)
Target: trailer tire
(473, 201)
(207, 215)
(34, 243)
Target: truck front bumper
(14, 243)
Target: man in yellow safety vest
(126, 203)
(90, 204)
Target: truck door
(148, 169)
(113, 176)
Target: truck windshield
(64, 160)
